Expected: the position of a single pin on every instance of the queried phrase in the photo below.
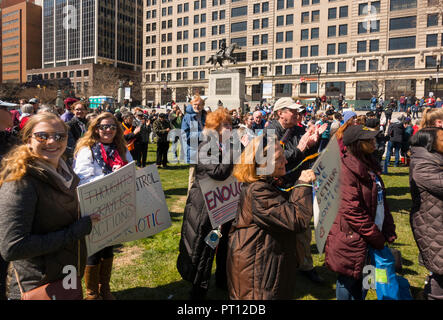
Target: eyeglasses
(104, 127)
(44, 136)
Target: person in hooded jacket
(196, 257)
(426, 184)
(363, 218)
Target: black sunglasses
(44, 136)
(105, 127)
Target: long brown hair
(91, 136)
(340, 131)
(362, 150)
(15, 164)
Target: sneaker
(313, 276)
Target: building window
(361, 65)
(432, 19)
(431, 40)
(280, 21)
(315, 33)
(289, 36)
(332, 31)
(361, 46)
(239, 11)
(344, 12)
(255, 55)
(256, 24)
(330, 67)
(332, 13)
(342, 48)
(373, 65)
(255, 40)
(288, 69)
(431, 62)
(279, 54)
(402, 43)
(403, 4)
(304, 17)
(264, 55)
(313, 68)
(341, 66)
(304, 68)
(315, 16)
(343, 30)
(278, 70)
(403, 23)
(289, 19)
(304, 51)
(239, 26)
(288, 53)
(401, 63)
(331, 49)
(304, 34)
(279, 37)
(362, 27)
(373, 45)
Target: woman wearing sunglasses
(101, 151)
(40, 228)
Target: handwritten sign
(327, 197)
(152, 210)
(221, 199)
(113, 197)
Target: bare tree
(105, 82)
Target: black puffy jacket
(396, 132)
(195, 258)
(426, 183)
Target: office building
(297, 48)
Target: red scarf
(113, 159)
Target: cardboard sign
(152, 211)
(221, 199)
(113, 197)
(327, 197)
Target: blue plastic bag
(388, 285)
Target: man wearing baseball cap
(35, 103)
(68, 115)
(297, 144)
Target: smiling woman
(40, 227)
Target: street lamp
(430, 84)
(261, 90)
(318, 72)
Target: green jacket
(160, 129)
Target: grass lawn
(146, 269)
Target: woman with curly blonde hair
(432, 117)
(40, 225)
(101, 151)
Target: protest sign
(152, 211)
(327, 197)
(113, 197)
(221, 199)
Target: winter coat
(77, 128)
(191, 133)
(262, 247)
(40, 229)
(396, 132)
(195, 257)
(354, 228)
(426, 183)
(160, 129)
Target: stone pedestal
(228, 86)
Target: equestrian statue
(224, 54)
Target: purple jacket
(67, 116)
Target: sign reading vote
(327, 197)
(221, 199)
(152, 211)
(113, 198)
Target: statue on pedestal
(224, 54)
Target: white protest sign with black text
(152, 210)
(113, 198)
(221, 199)
(327, 197)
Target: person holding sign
(195, 259)
(99, 152)
(263, 250)
(41, 232)
(363, 217)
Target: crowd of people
(46, 153)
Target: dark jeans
(162, 153)
(105, 253)
(434, 287)
(397, 148)
(3, 273)
(349, 288)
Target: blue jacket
(191, 131)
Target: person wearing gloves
(363, 218)
(39, 222)
(101, 151)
